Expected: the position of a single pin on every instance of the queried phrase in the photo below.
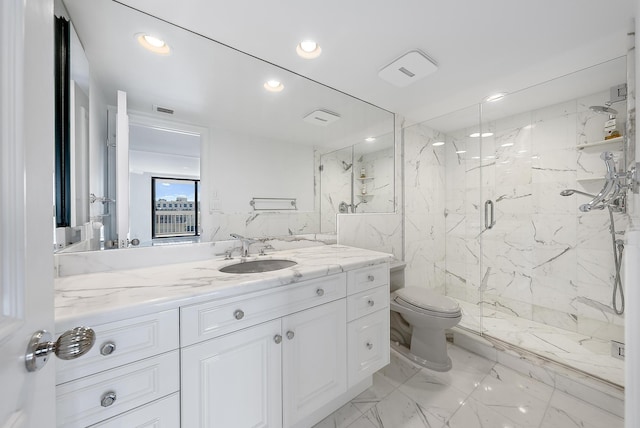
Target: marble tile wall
(424, 187)
(378, 166)
(335, 186)
(543, 260)
(378, 232)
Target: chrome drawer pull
(370, 302)
(320, 292)
(108, 348)
(369, 345)
(290, 335)
(370, 278)
(238, 314)
(108, 399)
(277, 338)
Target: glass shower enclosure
(494, 220)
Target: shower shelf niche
(617, 140)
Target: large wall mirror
(244, 157)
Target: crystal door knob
(71, 344)
(277, 338)
(108, 399)
(239, 314)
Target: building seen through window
(176, 207)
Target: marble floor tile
(436, 398)
(503, 398)
(399, 411)
(566, 411)
(341, 418)
(517, 397)
(374, 394)
(473, 414)
(399, 370)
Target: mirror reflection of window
(176, 207)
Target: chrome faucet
(246, 242)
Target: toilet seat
(424, 301)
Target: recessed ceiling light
(474, 135)
(438, 143)
(153, 44)
(308, 49)
(273, 86)
(370, 139)
(495, 97)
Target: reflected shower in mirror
(254, 143)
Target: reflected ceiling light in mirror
(273, 85)
(484, 134)
(506, 145)
(461, 151)
(308, 49)
(495, 97)
(438, 143)
(153, 44)
(370, 139)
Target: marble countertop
(96, 298)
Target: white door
(234, 380)
(26, 223)
(314, 359)
(122, 171)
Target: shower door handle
(489, 219)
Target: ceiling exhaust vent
(165, 110)
(409, 68)
(321, 117)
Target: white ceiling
(481, 47)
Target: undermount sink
(257, 266)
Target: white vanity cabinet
(368, 327)
(133, 363)
(272, 374)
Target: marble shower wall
(544, 259)
(425, 220)
(379, 171)
(335, 186)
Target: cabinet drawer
(123, 342)
(83, 402)
(367, 302)
(368, 345)
(212, 319)
(164, 413)
(366, 278)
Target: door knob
(71, 344)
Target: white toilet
(429, 314)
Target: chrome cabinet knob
(369, 345)
(320, 292)
(290, 335)
(108, 399)
(277, 338)
(370, 278)
(238, 314)
(370, 302)
(108, 348)
(71, 344)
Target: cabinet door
(314, 359)
(234, 380)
